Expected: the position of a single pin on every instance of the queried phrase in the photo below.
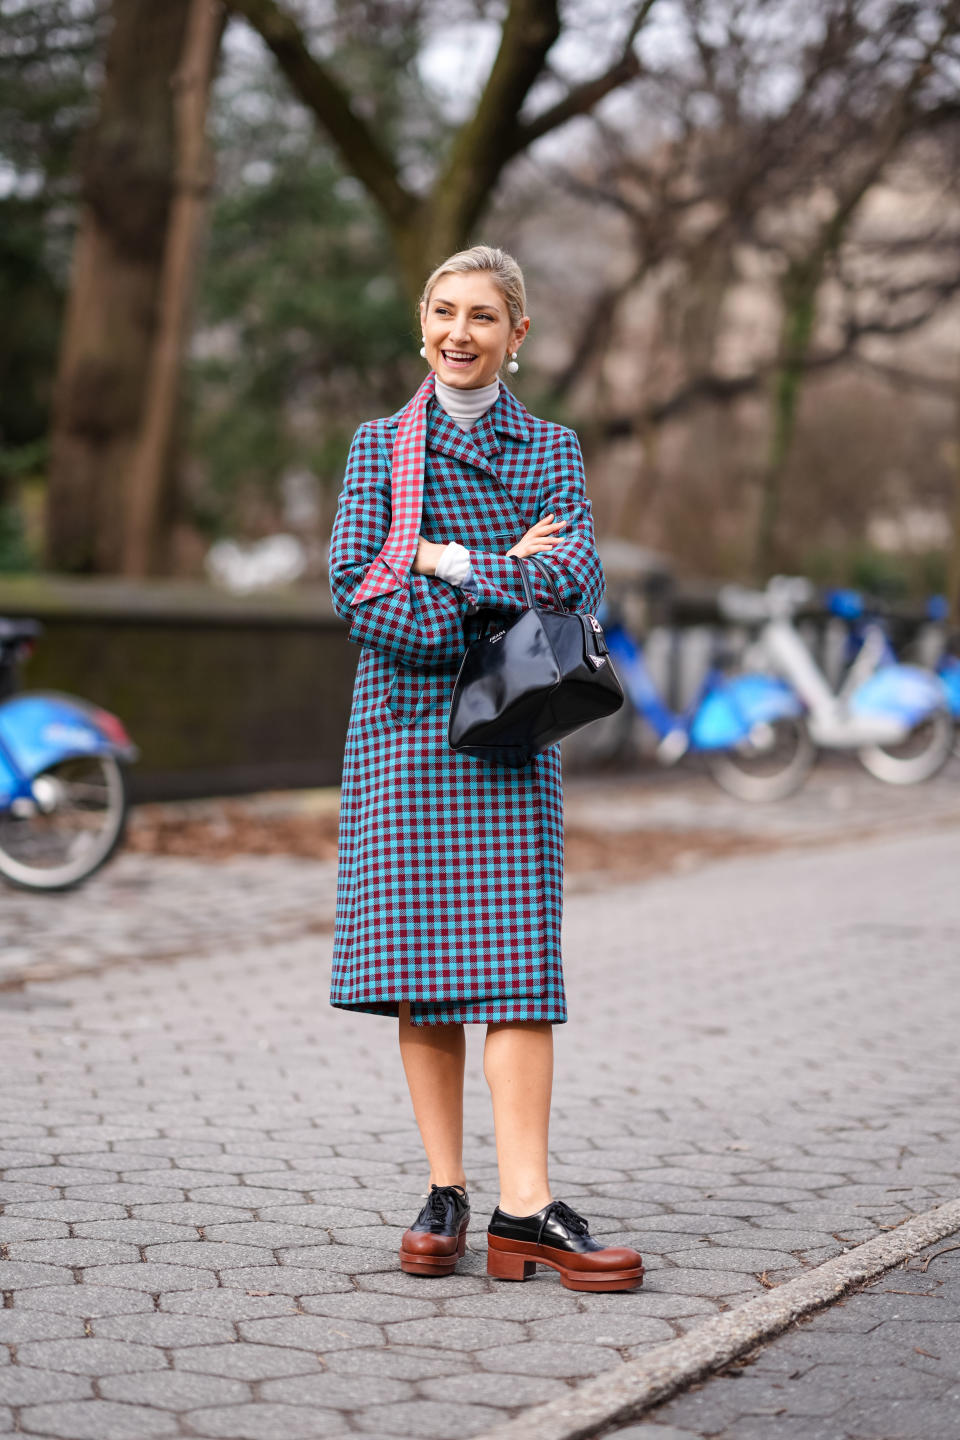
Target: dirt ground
(216, 830)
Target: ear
(520, 333)
(423, 315)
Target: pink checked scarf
(391, 568)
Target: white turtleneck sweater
(464, 408)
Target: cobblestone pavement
(207, 1170)
(881, 1365)
(161, 907)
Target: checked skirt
(450, 879)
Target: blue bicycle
(869, 648)
(63, 793)
(750, 728)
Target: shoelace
(437, 1199)
(566, 1215)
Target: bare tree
(430, 222)
(727, 181)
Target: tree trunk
(151, 460)
(799, 315)
(110, 327)
(953, 566)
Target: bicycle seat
(745, 607)
(13, 631)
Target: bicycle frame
(724, 711)
(39, 729)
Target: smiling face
(467, 329)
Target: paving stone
(342, 1259)
(898, 1419)
(601, 1329)
(336, 1392)
(265, 1421)
(650, 1430)
(490, 1389)
(705, 1284)
(369, 1306)
(269, 1235)
(26, 1385)
(228, 1304)
(394, 1282)
(149, 1277)
(22, 1227)
(73, 1252)
(409, 1363)
(515, 1302)
(158, 1328)
(89, 1356)
(136, 1232)
(64, 1211)
(541, 1358)
(176, 1390)
(426, 1417)
(18, 1325)
(285, 1279)
(98, 1420)
(86, 1300)
(189, 1212)
(313, 1332)
(23, 1274)
(245, 1361)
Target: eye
(483, 316)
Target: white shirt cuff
(454, 564)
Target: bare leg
(433, 1058)
(518, 1065)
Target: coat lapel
(480, 445)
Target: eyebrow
(439, 300)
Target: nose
(460, 329)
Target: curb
(639, 1384)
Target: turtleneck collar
(466, 406)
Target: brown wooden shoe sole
(518, 1260)
(418, 1262)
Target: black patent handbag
(527, 681)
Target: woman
(451, 870)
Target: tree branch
(322, 93)
(486, 142)
(584, 97)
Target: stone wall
(221, 694)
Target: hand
(426, 558)
(538, 538)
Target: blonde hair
(501, 267)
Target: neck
(466, 406)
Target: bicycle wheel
(921, 755)
(70, 828)
(771, 763)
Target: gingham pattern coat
(449, 889)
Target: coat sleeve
(420, 625)
(574, 562)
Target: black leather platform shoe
(557, 1236)
(438, 1236)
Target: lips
(458, 357)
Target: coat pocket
(405, 694)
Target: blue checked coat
(450, 877)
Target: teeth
(457, 355)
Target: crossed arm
(421, 624)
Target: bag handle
(547, 574)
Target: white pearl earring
(513, 367)
(423, 347)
